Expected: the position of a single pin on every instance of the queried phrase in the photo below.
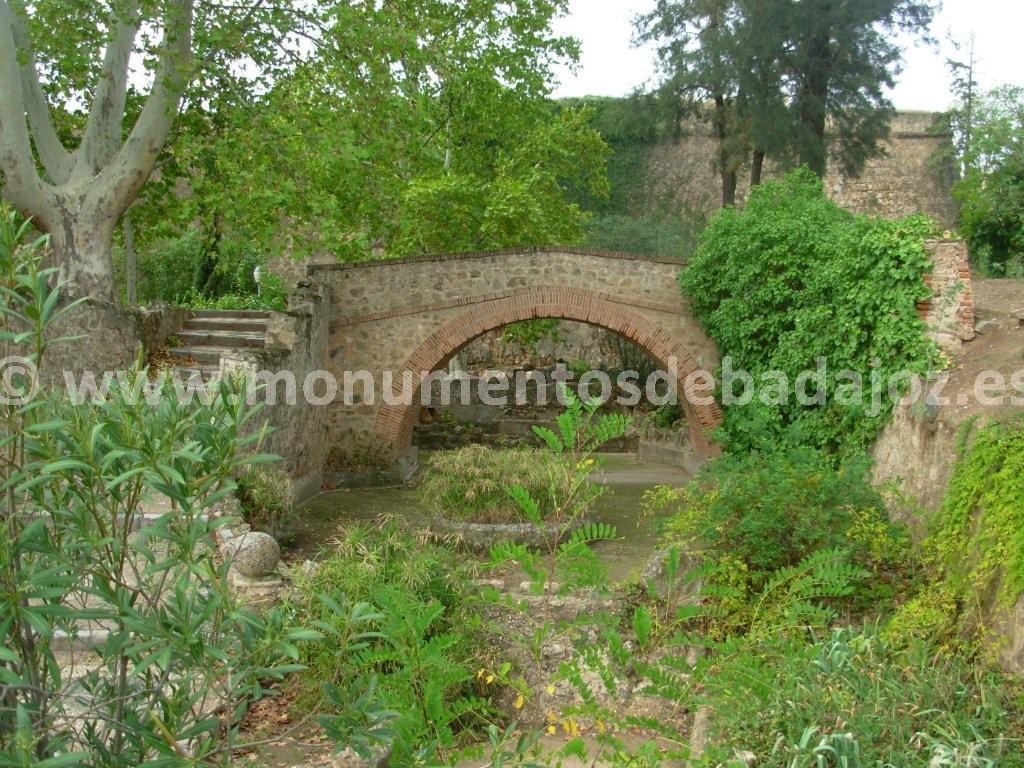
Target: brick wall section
(949, 314)
(415, 314)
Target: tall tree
(723, 58)
(696, 50)
(414, 125)
(963, 72)
(47, 62)
(842, 56)
(79, 195)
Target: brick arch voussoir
(395, 422)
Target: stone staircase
(210, 334)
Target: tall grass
(470, 483)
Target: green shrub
(991, 189)
(992, 219)
(528, 334)
(168, 269)
(268, 504)
(579, 432)
(770, 511)
(470, 483)
(185, 271)
(852, 696)
(397, 619)
(80, 548)
(792, 279)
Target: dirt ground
(997, 351)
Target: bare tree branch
(22, 184)
(120, 182)
(102, 136)
(56, 160)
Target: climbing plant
(976, 549)
(792, 284)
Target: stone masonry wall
(906, 179)
(101, 337)
(294, 350)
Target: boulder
(253, 554)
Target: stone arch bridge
(413, 315)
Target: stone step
(210, 355)
(250, 314)
(222, 339)
(187, 373)
(253, 324)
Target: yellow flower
(490, 679)
(551, 690)
(480, 673)
(520, 701)
(552, 717)
(600, 726)
(551, 730)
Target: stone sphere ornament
(254, 554)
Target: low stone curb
(480, 537)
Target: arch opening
(395, 423)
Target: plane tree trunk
(79, 196)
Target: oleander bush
(79, 549)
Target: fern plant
(580, 432)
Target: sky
(611, 66)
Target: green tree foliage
(844, 56)
(128, 66)
(710, 60)
(792, 283)
(991, 191)
(413, 127)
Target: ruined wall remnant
(907, 178)
(949, 313)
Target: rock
(349, 758)
(253, 554)
(746, 757)
(983, 326)
(1019, 317)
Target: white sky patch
(611, 66)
